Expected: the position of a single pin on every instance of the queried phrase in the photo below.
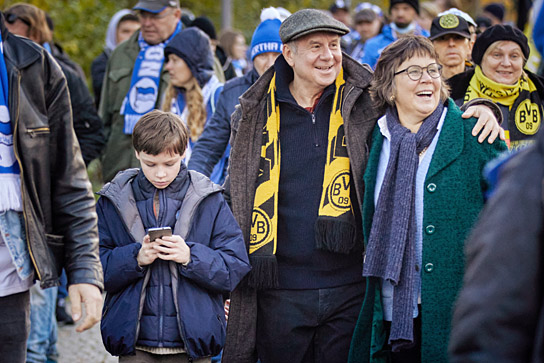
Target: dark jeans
(14, 327)
(307, 325)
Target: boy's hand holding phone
(147, 253)
(173, 248)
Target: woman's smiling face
(503, 62)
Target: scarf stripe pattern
(10, 193)
(144, 85)
(390, 253)
(335, 201)
(521, 98)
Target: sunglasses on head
(11, 18)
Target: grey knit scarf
(390, 252)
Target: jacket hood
(193, 46)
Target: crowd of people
(353, 186)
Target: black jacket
(58, 205)
(499, 316)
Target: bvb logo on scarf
(335, 199)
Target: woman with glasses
(423, 191)
(500, 54)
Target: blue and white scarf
(10, 192)
(144, 86)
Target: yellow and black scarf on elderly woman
(335, 226)
(521, 98)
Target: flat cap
(309, 21)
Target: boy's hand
(173, 248)
(487, 125)
(147, 253)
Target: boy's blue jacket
(218, 262)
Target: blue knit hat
(266, 38)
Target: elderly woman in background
(423, 191)
(500, 54)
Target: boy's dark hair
(159, 131)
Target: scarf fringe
(335, 235)
(264, 272)
(10, 193)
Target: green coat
(454, 188)
(118, 153)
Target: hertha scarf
(335, 229)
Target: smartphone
(160, 232)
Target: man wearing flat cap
(299, 150)
(135, 81)
(451, 39)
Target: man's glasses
(434, 70)
(12, 18)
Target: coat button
(429, 267)
(429, 229)
(417, 268)
(431, 187)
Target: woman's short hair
(382, 88)
(34, 17)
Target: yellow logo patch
(528, 117)
(261, 228)
(449, 21)
(339, 191)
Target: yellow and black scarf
(335, 226)
(521, 98)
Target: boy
(165, 296)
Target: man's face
(156, 28)
(402, 14)
(452, 49)
(316, 60)
(264, 61)
(368, 29)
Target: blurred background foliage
(80, 25)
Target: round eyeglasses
(434, 70)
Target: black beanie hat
(496, 33)
(412, 3)
(205, 24)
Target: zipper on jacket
(15, 95)
(161, 307)
(316, 144)
(38, 131)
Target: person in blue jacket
(265, 47)
(165, 296)
(193, 90)
(403, 22)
